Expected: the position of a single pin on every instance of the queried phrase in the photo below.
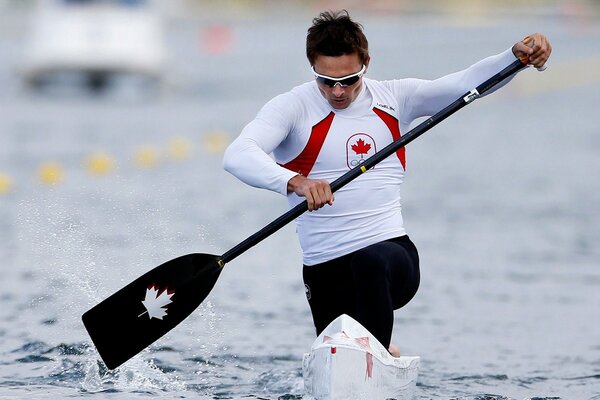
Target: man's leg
(386, 276)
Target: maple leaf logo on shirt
(156, 302)
(361, 147)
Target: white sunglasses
(344, 81)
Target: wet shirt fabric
(305, 135)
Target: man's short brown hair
(335, 34)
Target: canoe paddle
(136, 316)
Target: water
(501, 200)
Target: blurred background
(114, 115)
(84, 62)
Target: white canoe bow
(347, 362)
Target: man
(358, 259)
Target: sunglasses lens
(350, 81)
(325, 81)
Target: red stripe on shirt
(305, 161)
(394, 127)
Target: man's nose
(338, 90)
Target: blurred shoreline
(13, 13)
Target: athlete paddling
(358, 259)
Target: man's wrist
(292, 183)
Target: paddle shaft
(369, 163)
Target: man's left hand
(534, 50)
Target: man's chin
(339, 105)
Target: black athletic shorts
(368, 285)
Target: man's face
(338, 96)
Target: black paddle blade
(140, 313)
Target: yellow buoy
(146, 157)
(99, 164)
(6, 184)
(179, 148)
(50, 173)
(215, 142)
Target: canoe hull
(347, 362)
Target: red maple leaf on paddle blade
(361, 147)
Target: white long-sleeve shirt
(307, 136)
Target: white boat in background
(347, 362)
(99, 38)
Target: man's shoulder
(300, 93)
(294, 103)
(387, 84)
(304, 91)
(301, 97)
(383, 89)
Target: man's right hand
(316, 191)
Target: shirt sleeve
(420, 98)
(248, 156)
